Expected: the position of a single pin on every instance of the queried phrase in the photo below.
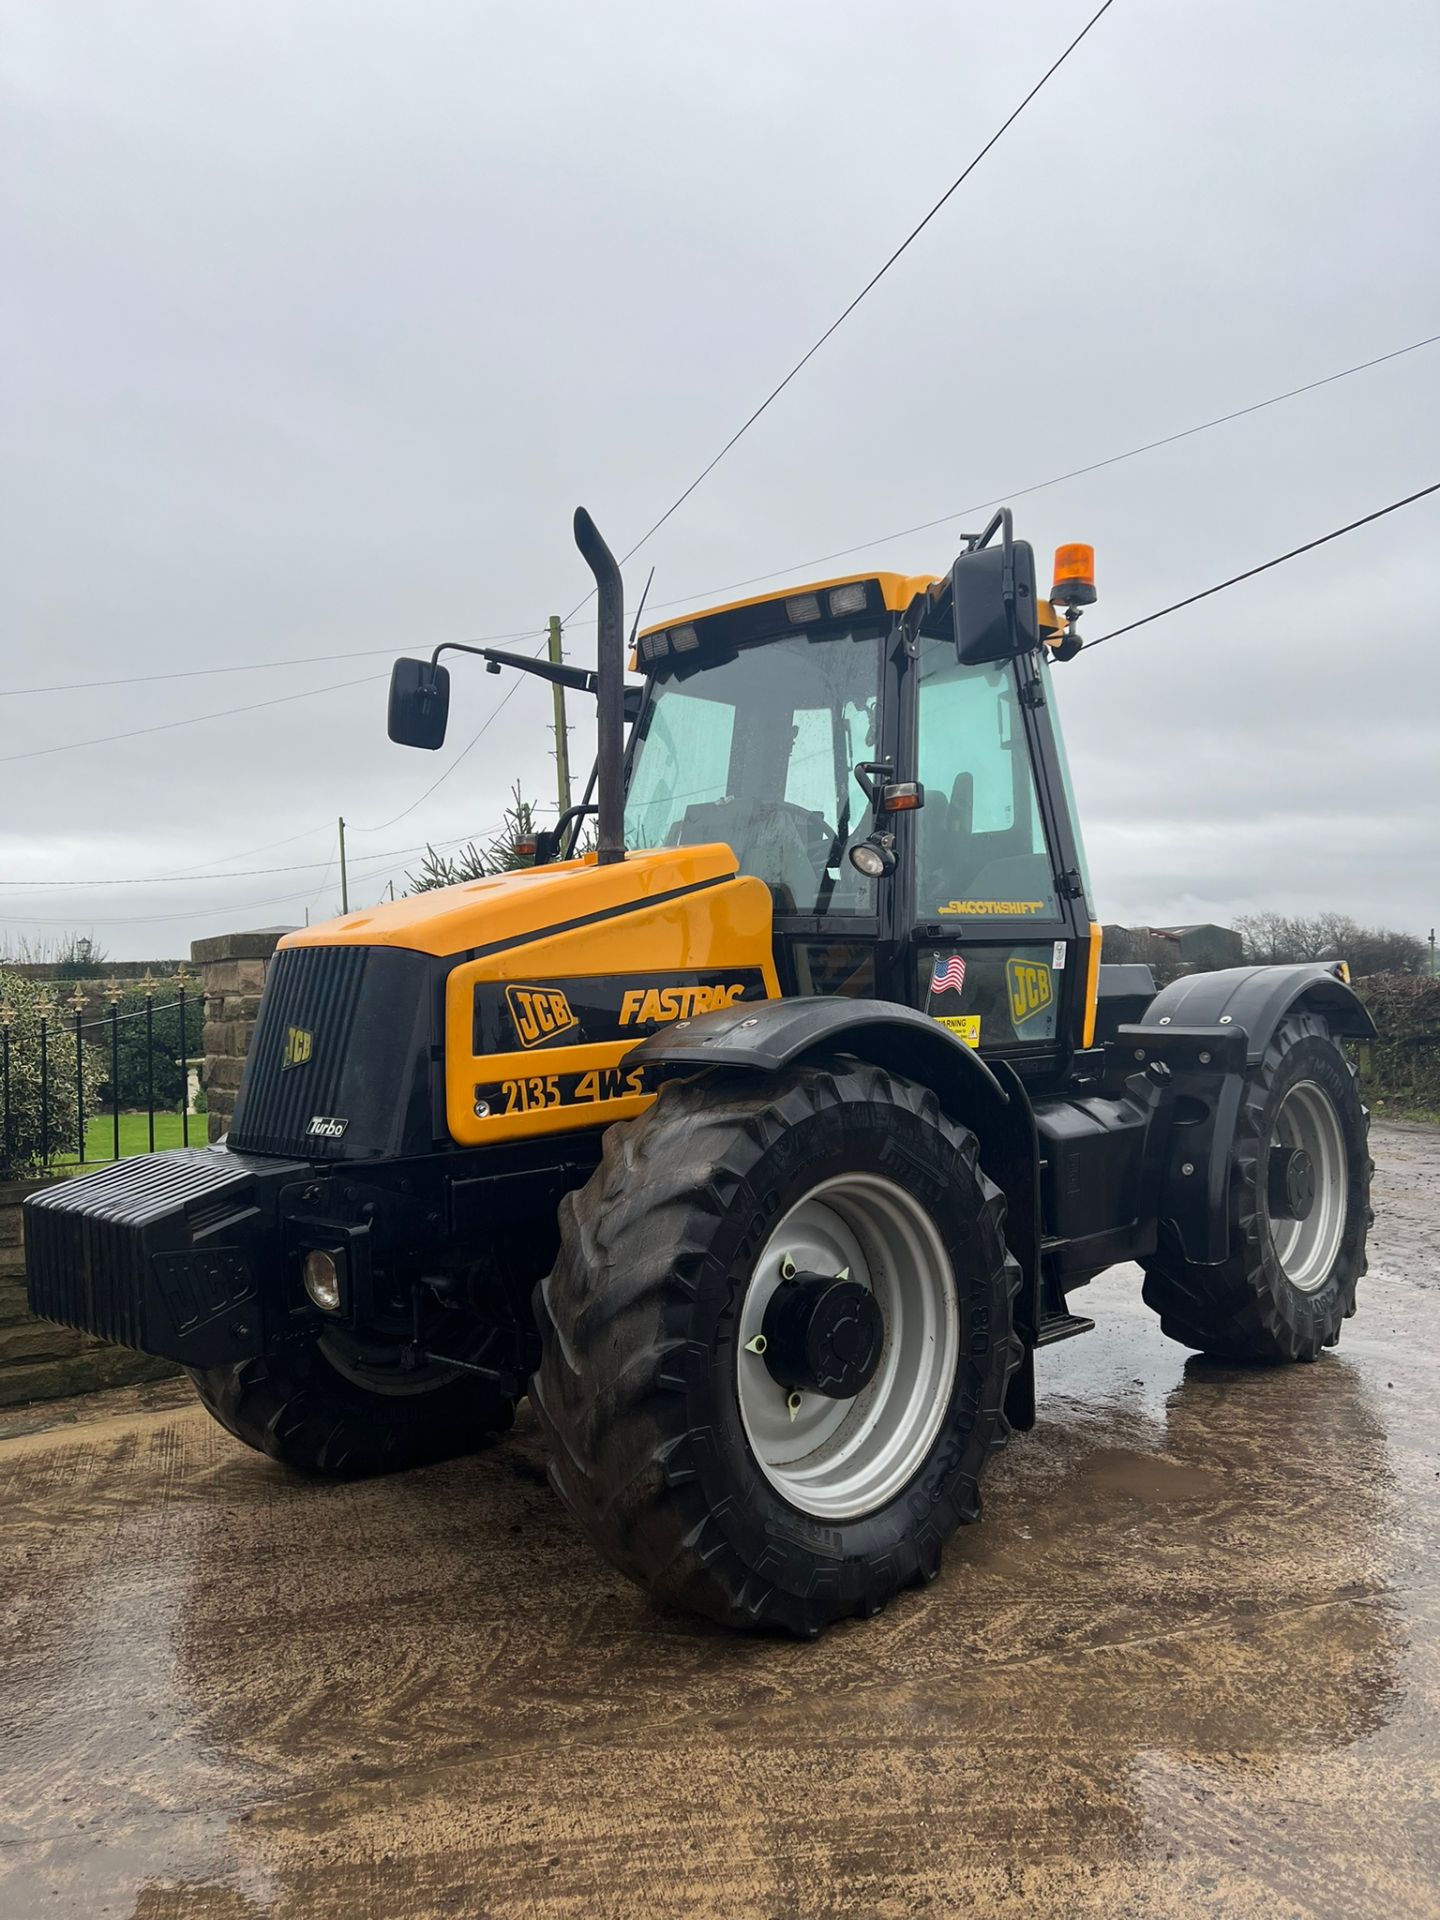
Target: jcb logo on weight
(1031, 990)
(539, 1014)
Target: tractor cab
(889, 762)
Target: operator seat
(767, 840)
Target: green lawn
(135, 1135)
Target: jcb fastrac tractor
(761, 1145)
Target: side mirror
(419, 704)
(997, 614)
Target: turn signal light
(1074, 576)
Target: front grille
(359, 1028)
(88, 1240)
(312, 991)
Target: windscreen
(757, 751)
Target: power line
(870, 284)
(875, 278)
(194, 720)
(839, 553)
(250, 873)
(247, 666)
(376, 866)
(188, 879)
(473, 742)
(323, 826)
(1265, 566)
(1039, 486)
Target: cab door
(1002, 950)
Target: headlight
(322, 1279)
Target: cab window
(756, 751)
(982, 851)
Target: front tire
(681, 1456)
(1289, 1282)
(319, 1409)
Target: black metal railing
(65, 1071)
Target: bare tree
(1272, 939)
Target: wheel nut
(792, 1403)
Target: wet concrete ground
(1189, 1664)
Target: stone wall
(39, 1361)
(232, 971)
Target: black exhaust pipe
(610, 688)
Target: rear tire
(300, 1409)
(656, 1403)
(1287, 1284)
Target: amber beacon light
(1074, 576)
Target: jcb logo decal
(540, 1014)
(1031, 989)
(650, 1006)
(299, 1045)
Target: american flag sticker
(948, 975)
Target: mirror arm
(1002, 517)
(577, 679)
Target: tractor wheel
(338, 1409)
(1299, 1195)
(776, 1342)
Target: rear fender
(1257, 999)
(1211, 1031)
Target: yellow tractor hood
(530, 903)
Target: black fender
(767, 1036)
(1258, 999)
(1194, 1182)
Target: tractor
(762, 1144)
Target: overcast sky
(318, 320)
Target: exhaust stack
(610, 689)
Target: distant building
(1204, 947)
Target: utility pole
(562, 742)
(1432, 953)
(344, 876)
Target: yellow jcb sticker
(1031, 990)
(539, 1013)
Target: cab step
(1061, 1326)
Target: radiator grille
(312, 992)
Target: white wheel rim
(1307, 1249)
(839, 1459)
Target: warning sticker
(964, 1026)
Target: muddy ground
(1189, 1664)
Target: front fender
(1257, 999)
(768, 1036)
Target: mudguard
(1258, 999)
(1239, 1006)
(769, 1035)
